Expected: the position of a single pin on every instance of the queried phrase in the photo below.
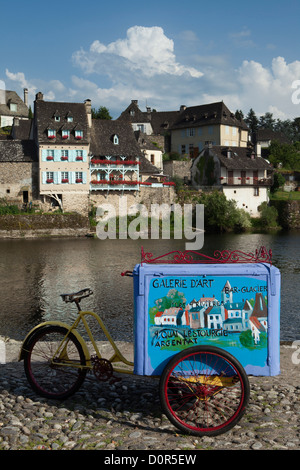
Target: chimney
(39, 96)
(88, 107)
(26, 97)
(182, 108)
(258, 150)
(135, 102)
(16, 121)
(229, 152)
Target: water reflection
(35, 272)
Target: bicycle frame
(117, 356)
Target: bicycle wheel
(54, 367)
(204, 391)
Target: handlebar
(127, 273)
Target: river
(35, 272)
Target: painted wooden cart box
(231, 301)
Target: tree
(266, 121)
(101, 113)
(251, 120)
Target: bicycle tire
(57, 381)
(194, 395)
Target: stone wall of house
(16, 177)
(72, 202)
(146, 196)
(179, 168)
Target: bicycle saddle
(76, 296)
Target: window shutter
(84, 155)
(44, 155)
(55, 177)
(44, 177)
(57, 154)
(84, 177)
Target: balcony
(102, 164)
(246, 181)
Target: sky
(164, 53)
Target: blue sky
(161, 53)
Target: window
(152, 159)
(190, 132)
(141, 127)
(78, 177)
(116, 140)
(64, 154)
(182, 149)
(78, 135)
(70, 118)
(57, 118)
(79, 155)
(256, 191)
(50, 155)
(234, 131)
(49, 177)
(51, 134)
(13, 107)
(226, 130)
(210, 130)
(64, 177)
(65, 134)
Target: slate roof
(160, 121)
(7, 97)
(133, 114)
(22, 130)
(18, 151)
(207, 114)
(102, 133)
(269, 135)
(240, 158)
(45, 112)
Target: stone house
(11, 106)
(239, 172)
(197, 126)
(62, 133)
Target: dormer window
(116, 139)
(51, 134)
(13, 107)
(78, 135)
(69, 117)
(56, 116)
(65, 134)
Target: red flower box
(79, 158)
(65, 136)
(78, 137)
(64, 158)
(49, 181)
(49, 157)
(51, 136)
(79, 180)
(65, 180)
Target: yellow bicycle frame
(115, 358)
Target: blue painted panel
(233, 307)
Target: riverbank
(126, 416)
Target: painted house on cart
(219, 314)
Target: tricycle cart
(200, 324)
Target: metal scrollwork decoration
(261, 255)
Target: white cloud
(145, 50)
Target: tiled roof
(240, 158)
(102, 143)
(45, 112)
(270, 135)
(18, 151)
(207, 114)
(7, 97)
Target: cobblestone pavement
(127, 415)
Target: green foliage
(285, 155)
(172, 299)
(268, 215)
(221, 214)
(278, 181)
(101, 113)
